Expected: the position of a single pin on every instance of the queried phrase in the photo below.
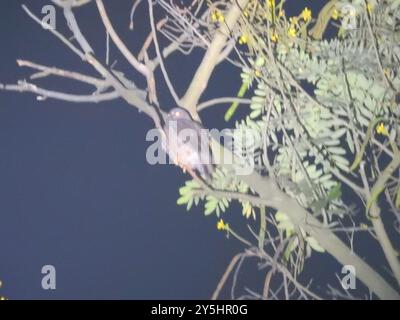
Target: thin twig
(225, 276)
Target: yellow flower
(293, 20)
(306, 14)
(247, 209)
(281, 13)
(292, 32)
(363, 226)
(370, 7)
(245, 13)
(258, 73)
(221, 225)
(217, 16)
(274, 37)
(243, 39)
(388, 72)
(271, 3)
(381, 129)
(335, 14)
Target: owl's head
(178, 113)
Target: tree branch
(210, 59)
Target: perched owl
(187, 143)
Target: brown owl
(187, 143)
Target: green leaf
(350, 141)
(314, 244)
(225, 202)
(335, 192)
(337, 150)
(189, 204)
(280, 216)
(183, 200)
(363, 82)
(258, 101)
(293, 243)
(211, 205)
(255, 113)
(377, 91)
(398, 197)
(360, 153)
(338, 133)
(340, 160)
(259, 62)
(284, 223)
(243, 89)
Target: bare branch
(210, 59)
(45, 71)
(163, 69)
(23, 86)
(225, 276)
(222, 100)
(118, 42)
(56, 33)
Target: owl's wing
(201, 148)
(189, 148)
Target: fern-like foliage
(314, 110)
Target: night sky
(76, 191)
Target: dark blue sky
(76, 191)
